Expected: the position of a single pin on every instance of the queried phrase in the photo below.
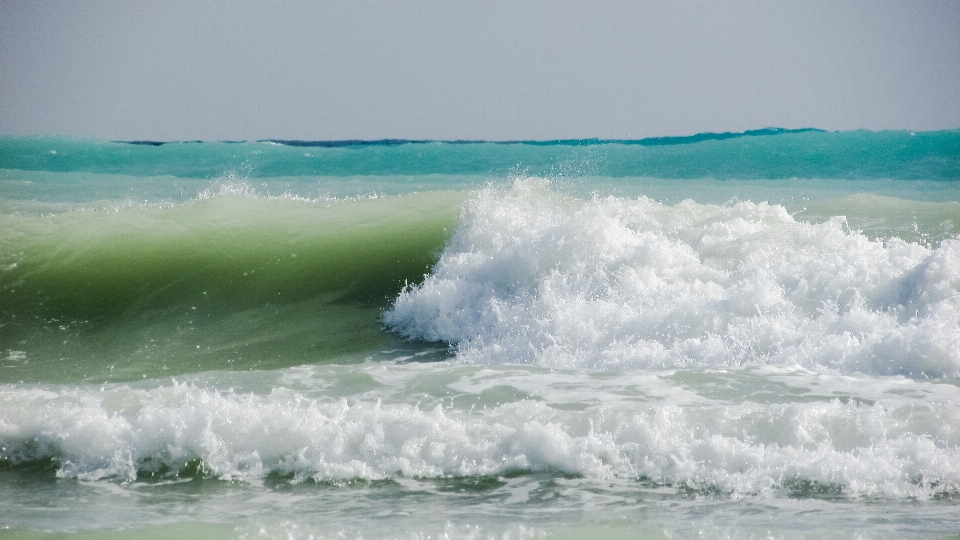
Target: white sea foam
(533, 277)
(901, 447)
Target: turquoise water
(725, 335)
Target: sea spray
(617, 283)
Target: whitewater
(733, 335)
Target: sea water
(719, 336)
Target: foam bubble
(533, 277)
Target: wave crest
(535, 277)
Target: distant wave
(771, 153)
(649, 141)
(161, 143)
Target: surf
(524, 338)
(614, 283)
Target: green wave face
(231, 281)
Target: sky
(468, 70)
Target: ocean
(735, 335)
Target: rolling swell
(202, 285)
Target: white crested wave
(535, 277)
(898, 447)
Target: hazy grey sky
(456, 69)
